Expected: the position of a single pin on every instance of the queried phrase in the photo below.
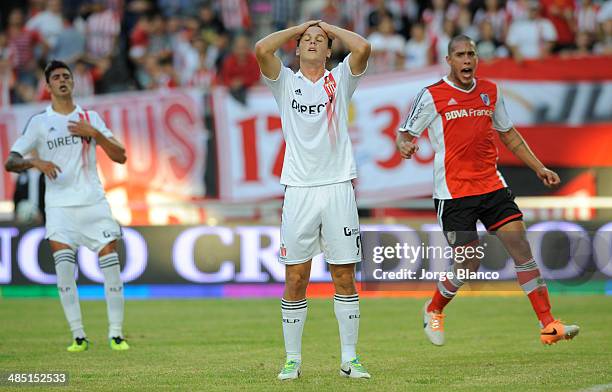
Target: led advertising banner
(207, 255)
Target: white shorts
(91, 226)
(320, 218)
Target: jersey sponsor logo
(307, 109)
(459, 113)
(67, 141)
(485, 98)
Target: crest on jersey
(485, 98)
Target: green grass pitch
(225, 345)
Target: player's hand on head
(407, 149)
(548, 177)
(81, 128)
(49, 169)
(304, 26)
(328, 29)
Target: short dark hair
(458, 38)
(53, 65)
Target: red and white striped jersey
(462, 125)
(102, 29)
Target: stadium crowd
(118, 45)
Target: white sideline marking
(598, 388)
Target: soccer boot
(119, 344)
(78, 345)
(290, 371)
(433, 325)
(353, 369)
(556, 331)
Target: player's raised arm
(513, 140)
(358, 46)
(265, 48)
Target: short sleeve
(501, 119)
(28, 140)
(422, 113)
(347, 78)
(98, 123)
(278, 85)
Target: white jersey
(314, 117)
(47, 132)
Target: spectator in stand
(284, 12)
(582, 48)
(417, 53)
(235, 15)
(330, 13)
(69, 44)
(7, 77)
(449, 30)
(240, 70)
(487, 46)
(48, 23)
(496, 16)
(159, 44)
(23, 43)
(156, 74)
(532, 38)
(101, 31)
(203, 75)
(464, 24)
(604, 46)
(586, 17)
(211, 26)
(517, 10)
(561, 14)
(387, 48)
(378, 13)
(433, 18)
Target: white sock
(113, 291)
(346, 308)
(65, 264)
(294, 316)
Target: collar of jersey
(299, 74)
(77, 109)
(445, 78)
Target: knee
(344, 282)
(295, 284)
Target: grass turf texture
(492, 344)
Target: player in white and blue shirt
(77, 214)
(319, 210)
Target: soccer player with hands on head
(464, 114)
(319, 209)
(65, 137)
